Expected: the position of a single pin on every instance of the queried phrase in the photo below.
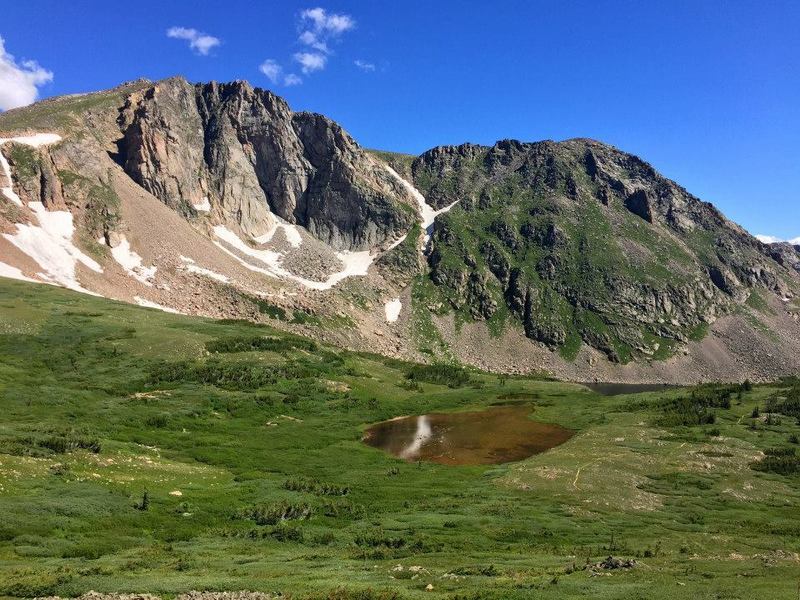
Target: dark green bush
(244, 343)
(441, 374)
(783, 461)
(272, 514)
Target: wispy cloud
(199, 42)
(19, 83)
(318, 28)
(311, 61)
(274, 72)
(317, 31)
(365, 66)
(292, 79)
(771, 239)
(271, 69)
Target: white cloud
(199, 42)
(365, 66)
(292, 79)
(311, 61)
(318, 29)
(271, 69)
(19, 82)
(310, 38)
(771, 239)
(274, 72)
(318, 21)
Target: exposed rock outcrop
(245, 153)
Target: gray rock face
(786, 254)
(35, 175)
(244, 150)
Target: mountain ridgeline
(218, 199)
(584, 243)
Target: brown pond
(496, 435)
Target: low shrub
(245, 343)
(783, 461)
(272, 514)
(441, 374)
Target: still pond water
(496, 435)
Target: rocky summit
(572, 258)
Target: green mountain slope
(582, 243)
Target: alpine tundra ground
(150, 452)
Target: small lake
(498, 434)
(618, 389)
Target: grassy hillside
(149, 452)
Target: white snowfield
(203, 206)
(355, 263)
(426, 211)
(14, 273)
(192, 267)
(392, 309)
(290, 231)
(132, 262)
(50, 245)
(36, 140)
(150, 304)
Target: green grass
(150, 452)
(64, 112)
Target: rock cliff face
(246, 154)
(583, 243)
(786, 254)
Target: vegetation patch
(260, 343)
(272, 514)
(441, 374)
(783, 461)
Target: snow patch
(290, 231)
(354, 263)
(392, 309)
(397, 242)
(192, 267)
(203, 206)
(132, 262)
(292, 235)
(149, 304)
(36, 140)
(426, 211)
(14, 273)
(50, 245)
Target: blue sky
(706, 91)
